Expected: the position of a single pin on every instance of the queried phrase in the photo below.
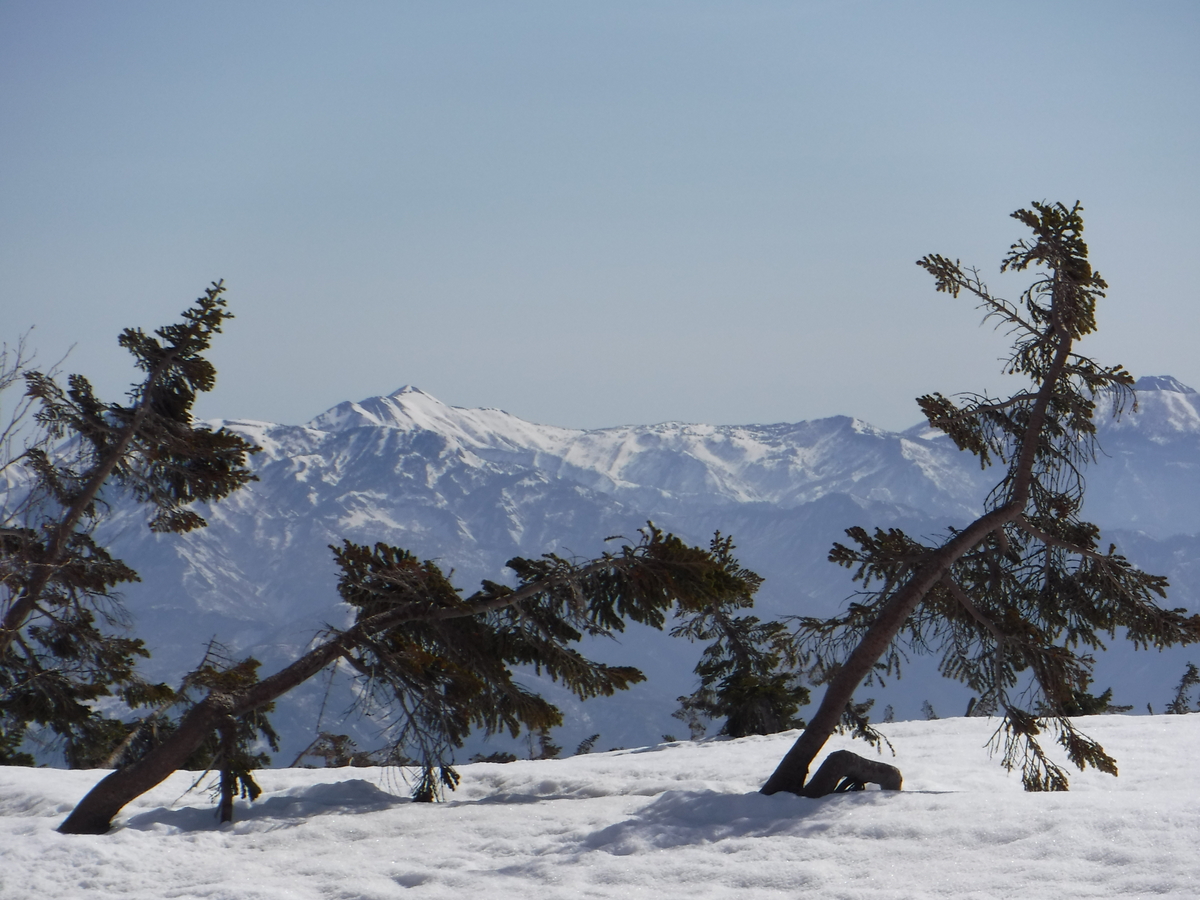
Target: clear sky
(589, 214)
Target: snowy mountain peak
(1166, 409)
(409, 389)
(411, 409)
(1162, 383)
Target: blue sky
(589, 214)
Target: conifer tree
(62, 640)
(1019, 597)
(1181, 703)
(746, 672)
(437, 664)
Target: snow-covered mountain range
(474, 487)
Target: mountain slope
(474, 487)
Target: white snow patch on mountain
(472, 488)
(1166, 410)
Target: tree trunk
(843, 765)
(95, 812)
(792, 771)
(228, 729)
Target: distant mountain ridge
(474, 487)
(782, 464)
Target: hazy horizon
(588, 215)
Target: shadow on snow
(287, 808)
(682, 818)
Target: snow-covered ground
(674, 821)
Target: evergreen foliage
(586, 745)
(229, 749)
(1181, 703)
(1013, 603)
(545, 748)
(500, 757)
(339, 750)
(746, 672)
(63, 645)
(1084, 703)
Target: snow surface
(676, 820)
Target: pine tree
(1019, 597)
(438, 665)
(1181, 703)
(63, 644)
(746, 671)
(1085, 703)
(586, 745)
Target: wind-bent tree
(62, 645)
(439, 663)
(1013, 602)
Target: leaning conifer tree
(63, 644)
(437, 664)
(1018, 598)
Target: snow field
(678, 820)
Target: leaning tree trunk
(227, 728)
(95, 812)
(792, 772)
